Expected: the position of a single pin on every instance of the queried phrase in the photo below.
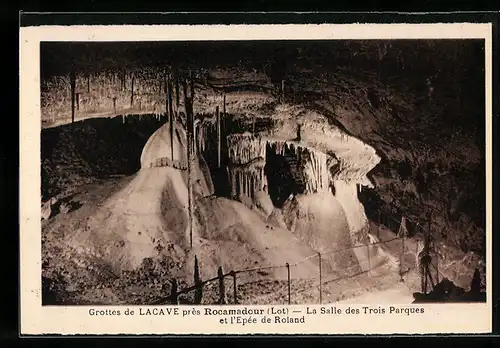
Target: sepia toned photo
(217, 174)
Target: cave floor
(361, 287)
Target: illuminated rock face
(246, 165)
(347, 195)
(319, 172)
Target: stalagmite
(73, 84)
(219, 137)
(168, 87)
(346, 194)
(248, 184)
(188, 104)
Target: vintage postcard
(256, 179)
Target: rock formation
(314, 170)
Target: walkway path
(399, 294)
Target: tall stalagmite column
(188, 104)
(223, 124)
(191, 95)
(177, 89)
(170, 114)
(217, 116)
(132, 91)
(167, 106)
(72, 79)
(224, 113)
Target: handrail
(360, 246)
(233, 272)
(259, 268)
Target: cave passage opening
(283, 175)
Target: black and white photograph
(263, 172)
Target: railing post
(426, 248)
(173, 292)
(402, 262)
(170, 112)
(188, 105)
(197, 282)
(132, 92)
(72, 81)
(369, 259)
(219, 138)
(235, 295)
(437, 269)
(320, 280)
(223, 125)
(289, 290)
(222, 289)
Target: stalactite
(244, 148)
(202, 138)
(247, 191)
(247, 185)
(318, 169)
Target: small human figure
(425, 260)
(475, 286)
(299, 128)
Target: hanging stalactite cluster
(247, 160)
(315, 169)
(248, 180)
(205, 131)
(245, 147)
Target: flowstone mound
(320, 221)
